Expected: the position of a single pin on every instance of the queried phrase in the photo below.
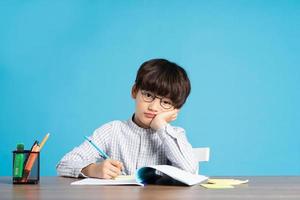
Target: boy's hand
(163, 118)
(107, 169)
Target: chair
(201, 154)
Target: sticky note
(216, 186)
(227, 181)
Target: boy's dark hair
(164, 78)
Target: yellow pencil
(44, 141)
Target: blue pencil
(101, 152)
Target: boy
(160, 90)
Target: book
(155, 174)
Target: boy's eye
(148, 94)
(166, 102)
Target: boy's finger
(109, 174)
(175, 111)
(169, 113)
(106, 174)
(116, 163)
(121, 164)
(115, 169)
(112, 173)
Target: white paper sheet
(96, 181)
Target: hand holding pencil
(107, 169)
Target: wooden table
(60, 188)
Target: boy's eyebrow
(163, 97)
(156, 95)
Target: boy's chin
(144, 122)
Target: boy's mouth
(149, 115)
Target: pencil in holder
(26, 167)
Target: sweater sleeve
(85, 154)
(177, 148)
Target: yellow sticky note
(227, 181)
(216, 186)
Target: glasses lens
(147, 96)
(165, 103)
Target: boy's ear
(134, 91)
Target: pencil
(44, 140)
(101, 152)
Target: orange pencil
(30, 161)
(32, 157)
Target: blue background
(67, 67)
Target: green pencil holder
(26, 167)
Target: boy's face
(147, 106)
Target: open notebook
(156, 174)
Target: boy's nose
(155, 105)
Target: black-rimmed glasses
(149, 97)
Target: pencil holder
(26, 167)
